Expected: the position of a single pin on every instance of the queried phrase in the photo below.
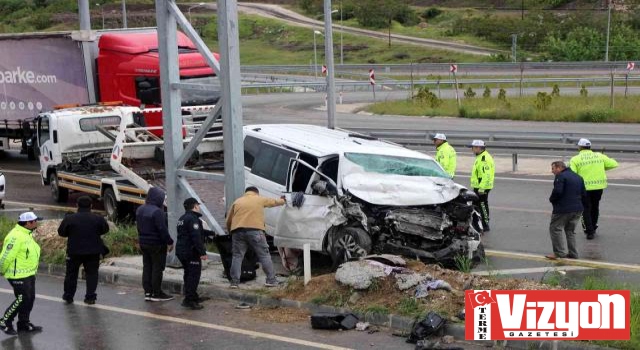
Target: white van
(349, 195)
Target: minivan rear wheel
(350, 243)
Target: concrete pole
(315, 55)
(124, 14)
(328, 53)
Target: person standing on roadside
(567, 197)
(482, 176)
(445, 154)
(592, 167)
(191, 252)
(83, 231)
(155, 242)
(245, 223)
(19, 261)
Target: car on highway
(349, 195)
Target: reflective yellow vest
(446, 156)
(591, 166)
(483, 172)
(20, 254)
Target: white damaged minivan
(350, 195)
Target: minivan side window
(272, 163)
(251, 149)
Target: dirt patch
(280, 314)
(47, 236)
(384, 297)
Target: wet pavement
(121, 319)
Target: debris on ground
(362, 326)
(405, 281)
(388, 259)
(280, 314)
(383, 295)
(243, 306)
(334, 320)
(448, 339)
(358, 274)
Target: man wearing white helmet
(591, 166)
(445, 154)
(482, 176)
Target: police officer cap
(190, 202)
(439, 136)
(584, 143)
(477, 143)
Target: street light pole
(606, 52)
(101, 14)
(341, 31)
(124, 14)
(315, 53)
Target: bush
(543, 101)
(487, 92)
(556, 91)
(401, 55)
(431, 13)
(406, 16)
(469, 93)
(502, 94)
(428, 97)
(597, 116)
(583, 91)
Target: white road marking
(575, 262)
(21, 172)
(540, 211)
(529, 270)
(194, 323)
(547, 181)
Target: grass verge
(594, 109)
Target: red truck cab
(128, 66)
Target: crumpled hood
(155, 197)
(400, 190)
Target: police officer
(445, 154)
(591, 166)
(482, 176)
(190, 250)
(18, 264)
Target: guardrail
(619, 67)
(315, 86)
(510, 140)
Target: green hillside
(557, 30)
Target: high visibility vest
(20, 254)
(446, 156)
(483, 172)
(591, 166)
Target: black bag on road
(430, 325)
(333, 320)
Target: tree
(581, 44)
(487, 92)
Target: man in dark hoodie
(84, 246)
(155, 241)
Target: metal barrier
(510, 140)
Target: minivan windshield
(394, 165)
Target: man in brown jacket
(245, 223)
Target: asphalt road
(121, 319)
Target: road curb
(394, 322)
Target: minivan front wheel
(350, 243)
